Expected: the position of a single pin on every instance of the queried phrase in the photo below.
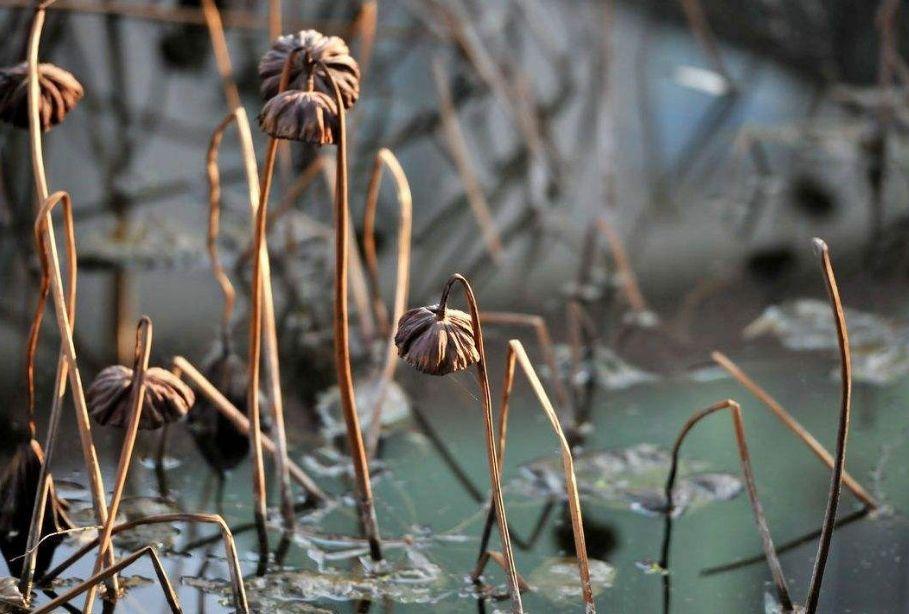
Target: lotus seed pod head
(313, 49)
(436, 345)
(60, 91)
(308, 117)
(167, 398)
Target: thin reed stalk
(137, 398)
(839, 467)
(629, 280)
(735, 410)
(496, 557)
(231, 93)
(227, 537)
(40, 505)
(342, 333)
(384, 157)
(70, 367)
(697, 21)
(517, 355)
(793, 425)
(457, 147)
(169, 594)
(495, 476)
(214, 218)
(186, 370)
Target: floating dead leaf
(606, 367)
(161, 535)
(629, 478)
(395, 406)
(558, 580)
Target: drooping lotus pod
(436, 342)
(315, 50)
(60, 91)
(308, 117)
(167, 398)
(18, 487)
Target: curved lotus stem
(69, 368)
(230, 549)
(836, 480)
(169, 594)
(793, 425)
(40, 505)
(231, 93)
(495, 476)
(402, 278)
(137, 398)
(735, 410)
(517, 354)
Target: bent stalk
(839, 467)
(735, 410)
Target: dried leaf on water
(557, 579)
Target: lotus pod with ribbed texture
(60, 91)
(308, 117)
(314, 49)
(167, 398)
(434, 345)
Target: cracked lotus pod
(314, 49)
(60, 91)
(167, 398)
(434, 345)
(309, 117)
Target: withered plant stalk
(492, 456)
(735, 410)
(342, 333)
(69, 367)
(384, 157)
(227, 537)
(40, 506)
(231, 93)
(629, 280)
(839, 467)
(169, 594)
(137, 398)
(792, 424)
(517, 354)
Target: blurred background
(664, 163)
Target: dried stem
(496, 557)
(776, 571)
(342, 332)
(137, 399)
(40, 505)
(842, 334)
(70, 367)
(793, 425)
(629, 280)
(214, 217)
(697, 21)
(185, 369)
(492, 456)
(402, 277)
(364, 28)
(230, 549)
(517, 354)
(169, 594)
(231, 93)
(459, 151)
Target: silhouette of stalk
(776, 571)
(44, 480)
(457, 147)
(69, 368)
(793, 425)
(517, 354)
(231, 93)
(227, 537)
(386, 158)
(186, 370)
(169, 594)
(143, 350)
(629, 280)
(842, 334)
